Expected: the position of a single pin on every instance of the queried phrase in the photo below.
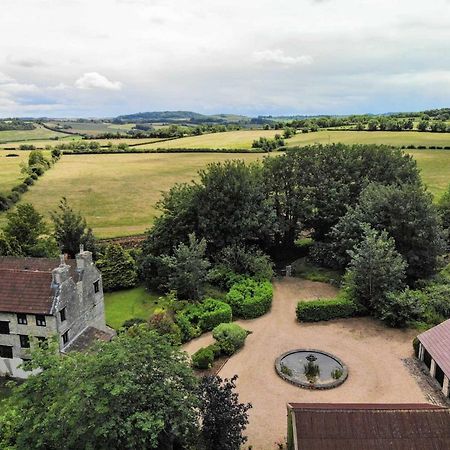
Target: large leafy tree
(25, 234)
(135, 392)
(408, 215)
(224, 418)
(376, 270)
(71, 230)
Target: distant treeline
(15, 124)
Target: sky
(102, 58)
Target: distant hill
(181, 116)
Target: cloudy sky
(109, 57)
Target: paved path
(372, 352)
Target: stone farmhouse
(41, 298)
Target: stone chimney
(84, 259)
(61, 273)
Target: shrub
(323, 309)
(29, 181)
(204, 316)
(188, 331)
(249, 298)
(164, 325)
(230, 337)
(131, 322)
(401, 308)
(213, 313)
(203, 358)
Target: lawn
(130, 304)
(229, 139)
(397, 138)
(117, 192)
(26, 135)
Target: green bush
(213, 313)
(203, 358)
(203, 317)
(188, 331)
(230, 337)
(323, 309)
(249, 298)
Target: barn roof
(437, 342)
(26, 284)
(370, 426)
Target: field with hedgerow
(117, 193)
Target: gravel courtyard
(372, 352)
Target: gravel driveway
(372, 352)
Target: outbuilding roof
(26, 284)
(370, 426)
(437, 343)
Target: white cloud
(279, 57)
(94, 80)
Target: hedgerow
(325, 309)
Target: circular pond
(311, 369)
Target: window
(24, 341)
(6, 351)
(97, 286)
(22, 319)
(4, 327)
(65, 337)
(62, 314)
(40, 320)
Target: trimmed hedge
(322, 309)
(249, 298)
(230, 337)
(203, 358)
(196, 319)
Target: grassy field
(230, 139)
(26, 135)
(117, 192)
(397, 138)
(10, 169)
(130, 304)
(10, 174)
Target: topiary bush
(203, 358)
(214, 312)
(249, 298)
(324, 309)
(230, 337)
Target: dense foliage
(230, 337)
(224, 418)
(250, 298)
(376, 270)
(118, 268)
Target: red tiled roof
(437, 342)
(371, 427)
(25, 284)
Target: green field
(229, 139)
(10, 169)
(117, 192)
(130, 304)
(397, 138)
(26, 135)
